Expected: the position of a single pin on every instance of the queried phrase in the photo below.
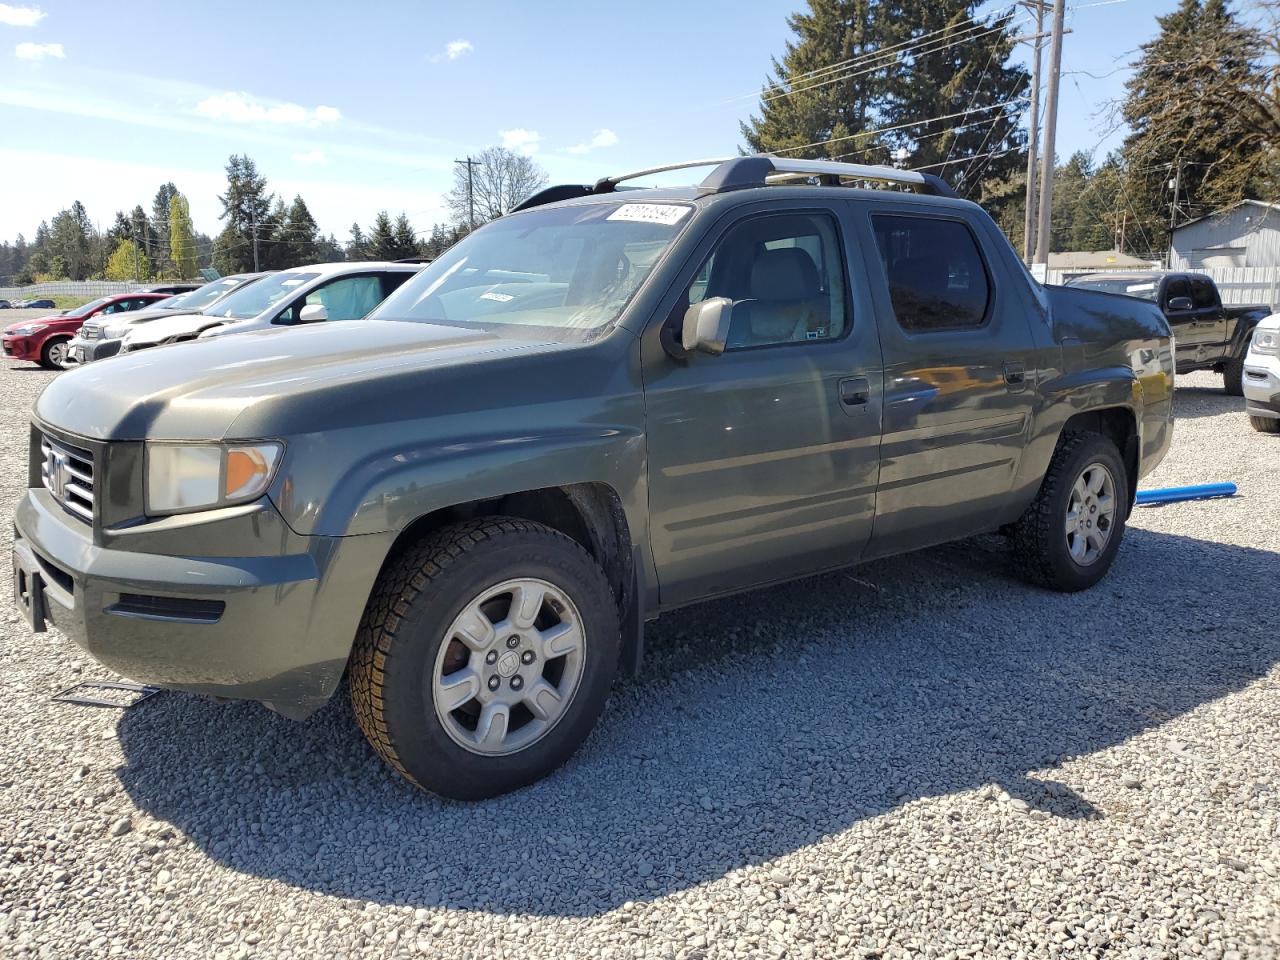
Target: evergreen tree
(1181, 128)
(70, 241)
(298, 235)
(404, 238)
(824, 114)
(382, 240)
(358, 245)
(161, 256)
(245, 206)
(182, 246)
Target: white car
(1262, 376)
(323, 291)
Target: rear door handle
(855, 392)
(1015, 375)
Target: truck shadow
(762, 723)
(1194, 402)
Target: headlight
(1267, 341)
(28, 329)
(196, 476)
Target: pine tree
(382, 241)
(161, 256)
(358, 245)
(965, 70)
(245, 206)
(404, 239)
(1181, 128)
(819, 116)
(300, 235)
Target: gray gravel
(923, 757)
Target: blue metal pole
(1178, 494)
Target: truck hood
(196, 391)
(164, 327)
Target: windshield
(1132, 287)
(88, 308)
(260, 295)
(563, 270)
(201, 297)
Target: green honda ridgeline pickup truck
(601, 407)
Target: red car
(44, 341)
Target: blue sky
(365, 108)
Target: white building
(1246, 235)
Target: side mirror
(706, 326)
(1179, 304)
(313, 313)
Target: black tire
(1233, 378)
(417, 598)
(1040, 550)
(47, 358)
(1265, 424)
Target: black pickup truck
(1209, 335)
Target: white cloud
(602, 138)
(12, 16)
(453, 50)
(241, 108)
(521, 140)
(312, 158)
(38, 51)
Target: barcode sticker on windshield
(667, 213)
(1139, 287)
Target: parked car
(172, 287)
(1262, 376)
(597, 409)
(1207, 334)
(323, 291)
(103, 337)
(40, 304)
(44, 341)
(5, 305)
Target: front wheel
(1067, 539)
(54, 354)
(1265, 424)
(1233, 378)
(485, 657)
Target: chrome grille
(91, 330)
(67, 473)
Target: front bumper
(87, 351)
(20, 348)
(275, 625)
(1261, 381)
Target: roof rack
(758, 170)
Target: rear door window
(934, 269)
(1202, 295)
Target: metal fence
(1238, 285)
(71, 288)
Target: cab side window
(935, 272)
(346, 298)
(1177, 287)
(785, 276)
(1202, 295)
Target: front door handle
(855, 391)
(1015, 375)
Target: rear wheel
(485, 656)
(1233, 378)
(1068, 537)
(1265, 424)
(53, 356)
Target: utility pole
(254, 227)
(1050, 132)
(471, 190)
(1029, 220)
(1175, 185)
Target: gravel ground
(923, 757)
